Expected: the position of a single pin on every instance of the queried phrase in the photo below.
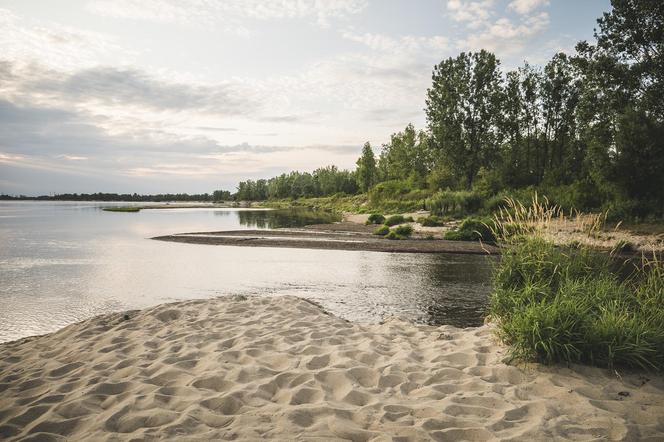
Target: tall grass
(573, 303)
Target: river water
(62, 262)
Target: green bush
(571, 305)
(472, 229)
(454, 203)
(393, 235)
(376, 218)
(404, 230)
(394, 220)
(382, 231)
(431, 221)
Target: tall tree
(462, 109)
(366, 168)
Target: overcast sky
(155, 96)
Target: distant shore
(281, 368)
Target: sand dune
(280, 368)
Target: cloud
(506, 37)
(474, 13)
(228, 13)
(402, 44)
(53, 44)
(526, 6)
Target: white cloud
(24, 40)
(473, 13)
(526, 6)
(505, 37)
(228, 12)
(403, 44)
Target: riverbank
(282, 368)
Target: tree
(406, 157)
(462, 109)
(366, 168)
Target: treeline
(322, 182)
(218, 195)
(587, 129)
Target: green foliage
(407, 157)
(431, 221)
(404, 230)
(569, 304)
(392, 235)
(457, 203)
(472, 229)
(376, 218)
(382, 231)
(366, 169)
(394, 220)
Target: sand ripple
(281, 368)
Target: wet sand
(338, 236)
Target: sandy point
(253, 368)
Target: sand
(339, 236)
(281, 368)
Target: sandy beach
(281, 368)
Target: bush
(404, 230)
(376, 218)
(387, 190)
(382, 231)
(393, 235)
(394, 220)
(431, 221)
(570, 304)
(454, 203)
(472, 229)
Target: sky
(165, 96)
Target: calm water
(64, 262)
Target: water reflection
(282, 218)
(64, 262)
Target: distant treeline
(218, 195)
(586, 129)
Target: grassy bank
(573, 303)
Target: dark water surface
(61, 262)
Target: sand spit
(281, 368)
(321, 237)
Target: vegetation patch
(473, 229)
(431, 221)
(394, 220)
(573, 303)
(375, 218)
(382, 231)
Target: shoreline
(282, 368)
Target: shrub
(454, 203)
(393, 235)
(431, 221)
(388, 190)
(394, 220)
(472, 229)
(408, 219)
(404, 230)
(376, 218)
(382, 231)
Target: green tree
(366, 168)
(462, 109)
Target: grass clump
(573, 303)
(375, 218)
(473, 229)
(400, 232)
(404, 230)
(122, 209)
(394, 220)
(382, 231)
(431, 221)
